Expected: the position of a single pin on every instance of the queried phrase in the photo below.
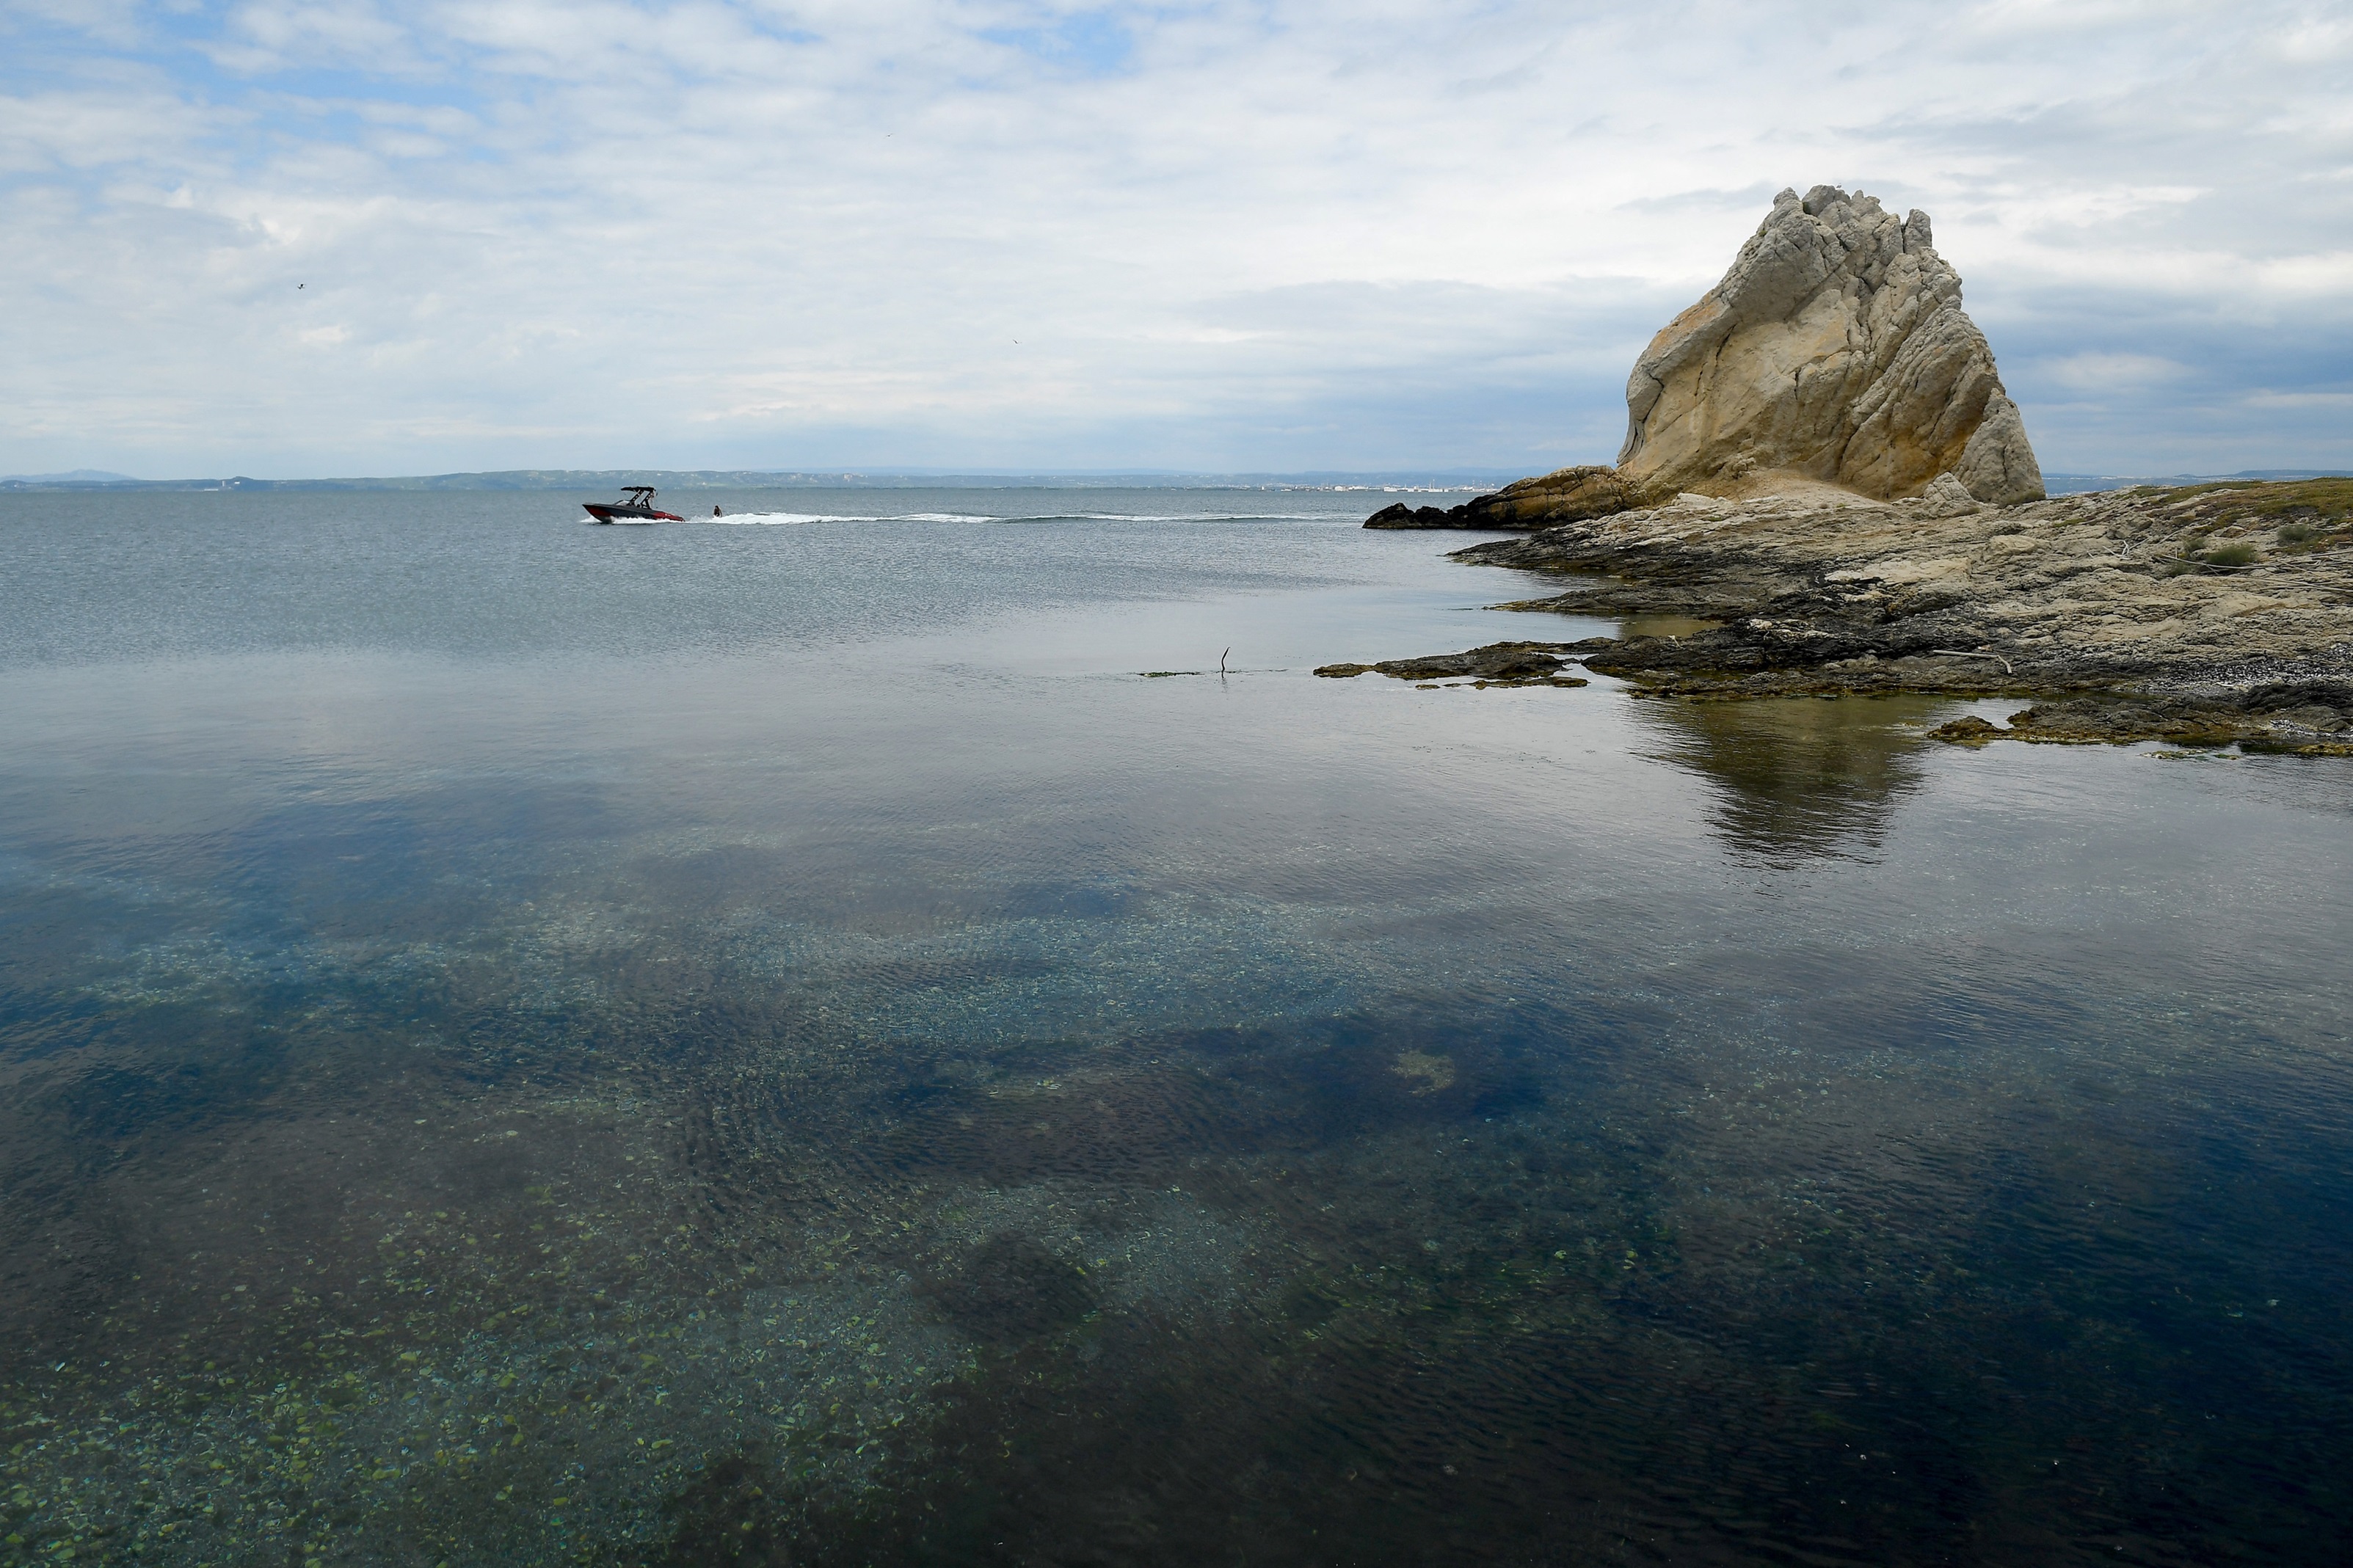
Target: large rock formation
(1835, 349)
(1834, 352)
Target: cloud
(1287, 234)
(266, 37)
(2114, 372)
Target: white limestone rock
(1835, 349)
(1946, 496)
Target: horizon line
(81, 479)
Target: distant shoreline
(1433, 481)
(1414, 481)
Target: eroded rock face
(1835, 349)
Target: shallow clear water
(528, 1042)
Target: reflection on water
(1665, 626)
(1800, 777)
(948, 1101)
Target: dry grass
(2293, 516)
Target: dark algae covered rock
(2312, 719)
(1567, 495)
(1503, 663)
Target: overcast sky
(355, 238)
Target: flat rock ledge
(1497, 663)
(2202, 614)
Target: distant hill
(75, 477)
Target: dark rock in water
(1564, 495)
(1971, 731)
(1404, 516)
(1014, 1288)
(1503, 663)
(2312, 719)
(1567, 495)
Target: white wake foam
(777, 518)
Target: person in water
(716, 513)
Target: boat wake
(780, 519)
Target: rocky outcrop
(1834, 352)
(1564, 495)
(1835, 349)
(2199, 614)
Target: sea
(910, 1027)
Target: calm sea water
(777, 1042)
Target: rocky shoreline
(1822, 470)
(2203, 615)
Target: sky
(300, 240)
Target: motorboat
(635, 505)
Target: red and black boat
(635, 505)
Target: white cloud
(1284, 234)
(269, 36)
(2340, 403)
(2112, 373)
